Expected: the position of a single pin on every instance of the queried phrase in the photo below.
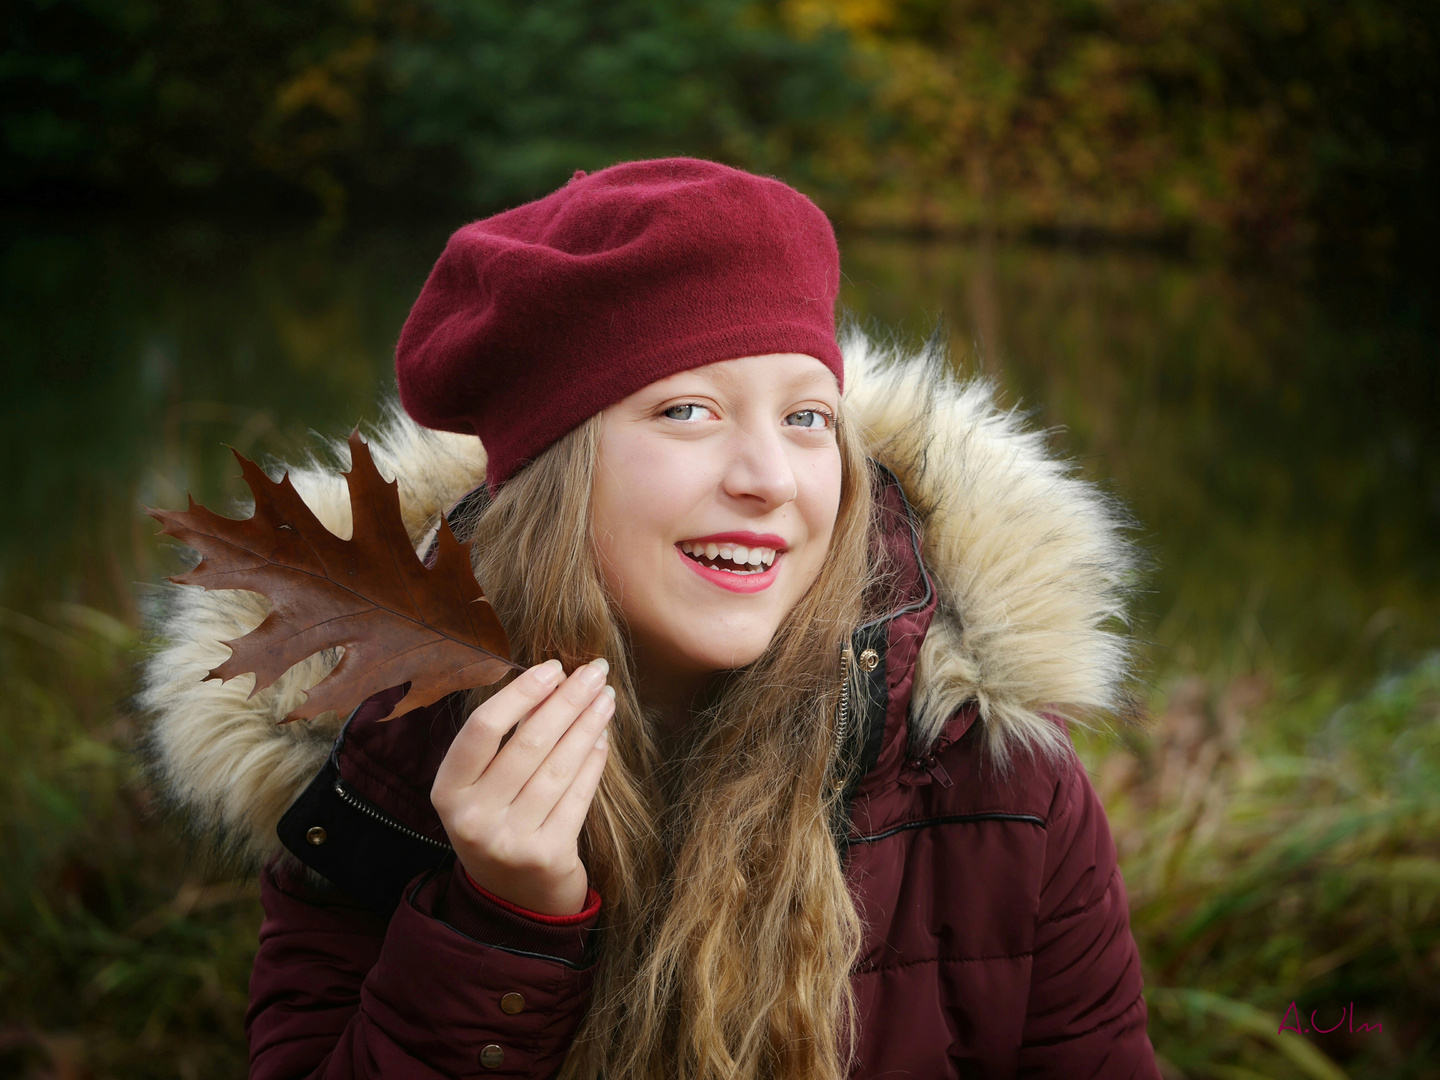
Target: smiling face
(716, 492)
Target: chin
(722, 651)
(736, 657)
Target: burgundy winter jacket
(997, 939)
(997, 935)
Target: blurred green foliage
(1267, 124)
(1280, 845)
(525, 93)
(118, 956)
(420, 103)
(1271, 125)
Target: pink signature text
(1347, 1013)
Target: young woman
(785, 790)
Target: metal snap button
(869, 659)
(317, 835)
(512, 1003)
(492, 1057)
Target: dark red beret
(537, 318)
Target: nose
(759, 467)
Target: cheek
(820, 498)
(818, 504)
(616, 519)
(640, 497)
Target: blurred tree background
(1192, 235)
(400, 105)
(1271, 125)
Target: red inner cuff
(588, 912)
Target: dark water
(1277, 442)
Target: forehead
(777, 373)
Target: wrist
(584, 915)
(525, 896)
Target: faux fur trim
(1029, 563)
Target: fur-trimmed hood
(1029, 564)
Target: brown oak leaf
(397, 619)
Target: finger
(517, 760)
(479, 738)
(568, 816)
(557, 772)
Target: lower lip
(739, 583)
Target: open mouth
(732, 558)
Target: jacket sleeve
(337, 992)
(1085, 1017)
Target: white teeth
(735, 553)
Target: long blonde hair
(728, 932)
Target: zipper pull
(921, 771)
(937, 770)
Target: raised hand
(514, 813)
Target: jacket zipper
(842, 718)
(366, 807)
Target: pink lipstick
(749, 539)
(747, 582)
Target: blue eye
(690, 406)
(815, 419)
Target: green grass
(1277, 845)
(121, 954)
(1284, 848)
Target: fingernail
(608, 689)
(604, 739)
(601, 663)
(550, 671)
